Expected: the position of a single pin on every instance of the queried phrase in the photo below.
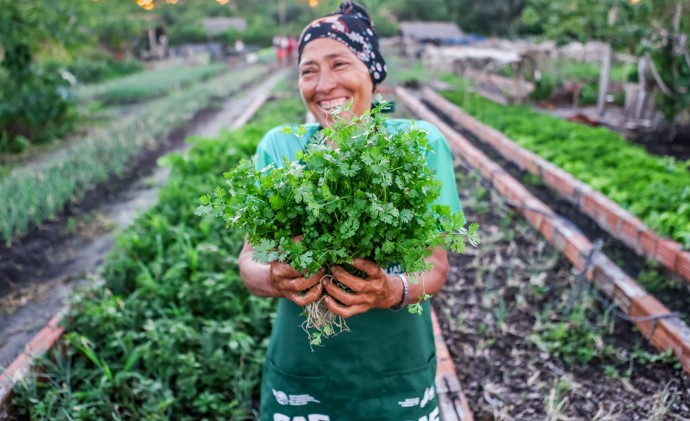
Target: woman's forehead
(324, 49)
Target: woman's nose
(326, 81)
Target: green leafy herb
(357, 190)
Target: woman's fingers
(294, 286)
(344, 310)
(346, 298)
(302, 299)
(367, 266)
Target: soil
(498, 305)
(669, 140)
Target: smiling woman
(384, 367)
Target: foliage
(88, 70)
(572, 338)
(28, 197)
(149, 84)
(172, 332)
(655, 189)
(371, 197)
(36, 108)
(35, 102)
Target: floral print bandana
(352, 27)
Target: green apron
(384, 368)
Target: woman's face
(330, 75)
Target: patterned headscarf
(352, 27)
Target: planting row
(30, 196)
(149, 84)
(171, 329)
(656, 189)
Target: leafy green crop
(655, 189)
(372, 197)
(171, 332)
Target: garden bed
(521, 354)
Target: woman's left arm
(381, 290)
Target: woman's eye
(339, 64)
(306, 72)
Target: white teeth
(328, 105)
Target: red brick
(44, 340)
(513, 150)
(609, 219)
(647, 306)
(667, 252)
(648, 242)
(536, 211)
(582, 190)
(485, 169)
(472, 156)
(530, 161)
(685, 356)
(559, 236)
(590, 206)
(604, 207)
(546, 229)
(683, 265)
(630, 230)
(663, 338)
(564, 184)
(574, 255)
(508, 186)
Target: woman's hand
(294, 286)
(379, 290)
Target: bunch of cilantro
(356, 190)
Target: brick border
(451, 399)
(615, 220)
(616, 284)
(45, 339)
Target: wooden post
(642, 91)
(604, 79)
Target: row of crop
(655, 189)
(30, 196)
(149, 84)
(171, 332)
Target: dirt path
(65, 263)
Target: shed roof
(216, 26)
(420, 30)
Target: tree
(33, 100)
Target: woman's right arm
(278, 279)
